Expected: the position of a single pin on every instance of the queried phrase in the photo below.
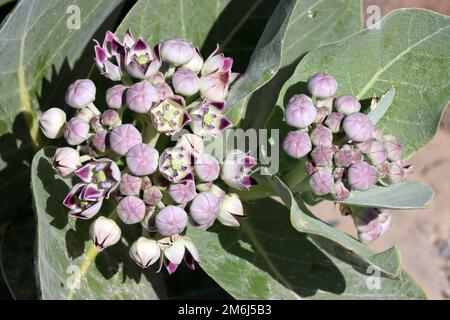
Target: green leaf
(381, 107)
(267, 259)
(17, 260)
(402, 196)
(36, 45)
(312, 24)
(304, 221)
(68, 265)
(407, 50)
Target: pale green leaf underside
(267, 259)
(402, 196)
(409, 51)
(382, 106)
(68, 266)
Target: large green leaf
(36, 45)
(312, 24)
(68, 265)
(409, 51)
(267, 259)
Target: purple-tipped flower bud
(183, 191)
(393, 147)
(322, 136)
(171, 220)
(321, 182)
(115, 96)
(236, 170)
(131, 209)
(358, 127)
(207, 167)
(111, 118)
(130, 185)
(322, 85)
(80, 93)
(141, 97)
(104, 232)
(181, 248)
(163, 90)
(323, 156)
(340, 191)
(76, 131)
(362, 176)
(205, 209)
(52, 123)
(142, 159)
(230, 208)
(123, 138)
(196, 63)
(300, 111)
(368, 225)
(377, 153)
(297, 144)
(152, 196)
(333, 121)
(66, 161)
(322, 113)
(347, 104)
(185, 82)
(396, 173)
(177, 51)
(96, 123)
(175, 164)
(191, 143)
(145, 252)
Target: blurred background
(423, 236)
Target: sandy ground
(423, 236)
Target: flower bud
(358, 127)
(171, 220)
(368, 225)
(52, 123)
(142, 159)
(310, 168)
(383, 170)
(177, 51)
(104, 232)
(236, 170)
(170, 115)
(123, 138)
(393, 147)
(377, 134)
(340, 191)
(131, 209)
(365, 146)
(97, 144)
(362, 176)
(196, 63)
(385, 219)
(322, 113)
(207, 167)
(297, 144)
(185, 82)
(152, 196)
(76, 131)
(115, 96)
(322, 85)
(141, 97)
(300, 112)
(396, 173)
(111, 118)
(321, 182)
(208, 187)
(175, 164)
(338, 173)
(145, 252)
(347, 104)
(230, 207)
(322, 156)
(66, 161)
(377, 153)
(96, 124)
(80, 93)
(333, 121)
(85, 114)
(130, 185)
(183, 192)
(322, 136)
(344, 157)
(215, 86)
(163, 90)
(205, 209)
(191, 143)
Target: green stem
(126, 80)
(150, 135)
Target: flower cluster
(116, 159)
(344, 150)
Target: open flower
(109, 56)
(141, 61)
(80, 207)
(170, 116)
(175, 164)
(181, 249)
(237, 168)
(230, 209)
(208, 120)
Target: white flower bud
(145, 252)
(104, 232)
(52, 123)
